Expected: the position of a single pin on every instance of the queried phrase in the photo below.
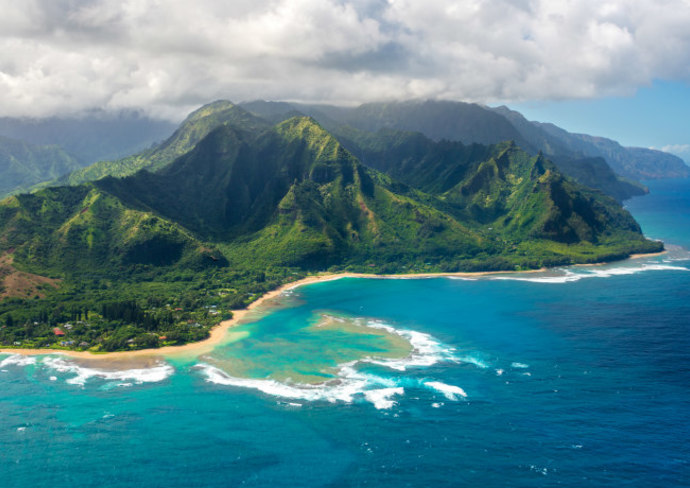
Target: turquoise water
(574, 377)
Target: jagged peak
(300, 123)
(321, 142)
(209, 109)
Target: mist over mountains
(593, 161)
(468, 123)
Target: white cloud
(170, 56)
(680, 150)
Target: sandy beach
(650, 255)
(218, 333)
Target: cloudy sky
(169, 56)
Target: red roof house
(58, 332)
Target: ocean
(574, 377)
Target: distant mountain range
(632, 162)
(41, 150)
(23, 165)
(233, 204)
(90, 138)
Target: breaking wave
(426, 351)
(449, 391)
(154, 374)
(17, 360)
(349, 385)
(567, 275)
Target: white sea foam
(155, 374)
(564, 276)
(381, 398)
(451, 392)
(519, 365)
(426, 351)
(349, 385)
(570, 275)
(17, 360)
(480, 363)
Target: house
(58, 332)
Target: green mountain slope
(194, 128)
(492, 186)
(67, 230)
(22, 165)
(291, 196)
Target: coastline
(650, 255)
(218, 332)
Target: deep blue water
(578, 377)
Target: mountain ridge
(454, 123)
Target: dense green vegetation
(143, 307)
(157, 257)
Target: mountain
(292, 195)
(491, 185)
(22, 165)
(80, 229)
(194, 128)
(91, 137)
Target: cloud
(167, 57)
(680, 150)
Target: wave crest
(17, 360)
(154, 374)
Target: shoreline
(218, 332)
(650, 255)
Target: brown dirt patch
(18, 284)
